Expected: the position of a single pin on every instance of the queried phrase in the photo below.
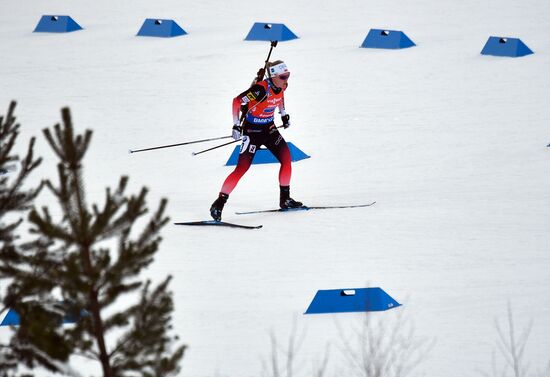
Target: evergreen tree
(13, 199)
(93, 256)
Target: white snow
(451, 145)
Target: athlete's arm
(282, 107)
(255, 93)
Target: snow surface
(451, 144)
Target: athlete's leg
(248, 150)
(246, 156)
(277, 145)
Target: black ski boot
(217, 207)
(286, 201)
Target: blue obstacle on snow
(390, 39)
(265, 31)
(56, 24)
(12, 318)
(351, 300)
(499, 46)
(154, 27)
(264, 156)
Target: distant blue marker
(160, 28)
(503, 46)
(265, 31)
(56, 24)
(12, 318)
(351, 300)
(388, 39)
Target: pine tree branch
(9, 130)
(104, 226)
(144, 345)
(149, 235)
(44, 359)
(47, 133)
(13, 198)
(132, 256)
(45, 225)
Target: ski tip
(130, 151)
(193, 154)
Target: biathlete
(258, 105)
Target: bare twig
(511, 347)
(381, 349)
(283, 361)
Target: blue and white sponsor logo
(255, 120)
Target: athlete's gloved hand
(237, 132)
(286, 120)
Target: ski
(219, 223)
(304, 208)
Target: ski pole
(178, 144)
(221, 145)
(216, 147)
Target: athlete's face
(281, 81)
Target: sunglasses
(284, 77)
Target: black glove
(286, 120)
(237, 132)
